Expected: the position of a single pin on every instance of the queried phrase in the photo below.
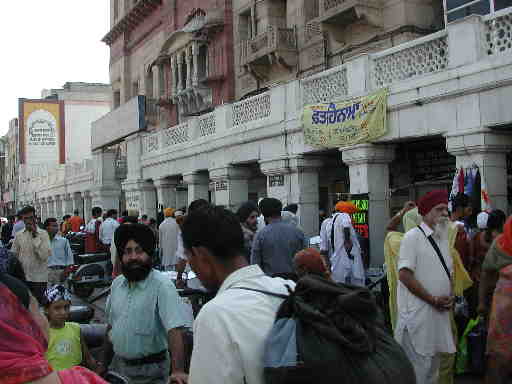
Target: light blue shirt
(61, 252)
(141, 315)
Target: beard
(136, 270)
(441, 228)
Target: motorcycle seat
(94, 334)
(92, 258)
(80, 314)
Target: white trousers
(426, 368)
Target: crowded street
(256, 192)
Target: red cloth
(92, 240)
(23, 345)
(312, 261)
(505, 239)
(430, 200)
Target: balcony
(124, 121)
(344, 12)
(275, 45)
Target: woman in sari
(497, 271)
(23, 341)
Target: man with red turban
(338, 242)
(424, 294)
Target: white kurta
(168, 237)
(429, 329)
(344, 269)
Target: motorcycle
(90, 270)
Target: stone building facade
(447, 108)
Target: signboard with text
(361, 223)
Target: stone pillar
(231, 186)
(182, 198)
(369, 173)
(188, 62)
(179, 58)
(174, 80)
(488, 151)
(141, 195)
(156, 82)
(106, 199)
(68, 204)
(166, 192)
(197, 183)
(195, 63)
(295, 180)
(44, 208)
(78, 203)
(87, 197)
(58, 207)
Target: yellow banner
(359, 120)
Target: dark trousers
(37, 290)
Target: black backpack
(331, 333)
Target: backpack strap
(438, 252)
(332, 233)
(281, 296)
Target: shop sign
(276, 181)
(361, 223)
(339, 124)
(221, 185)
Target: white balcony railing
(441, 51)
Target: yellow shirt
(64, 347)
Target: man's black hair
(65, 217)
(144, 217)
(245, 210)
(125, 213)
(76, 212)
(460, 200)
(111, 212)
(26, 210)
(293, 208)
(96, 211)
(198, 205)
(216, 229)
(131, 219)
(48, 221)
(271, 207)
(11, 218)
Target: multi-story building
(448, 76)
(11, 167)
(53, 141)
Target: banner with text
(339, 124)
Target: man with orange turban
(168, 236)
(338, 241)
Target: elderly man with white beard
(425, 296)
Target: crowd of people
(433, 260)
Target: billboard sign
(41, 132)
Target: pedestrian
(65, 227)
(425, 295)
(310, 261)
(7, 231)
(231, 329)
(339, 240)
(32, 247)
(62, 255)
(143, 314)
(66, 347)
(93, 243)
(394, 223)
(248, 216)
(461, 212)
(76, 222)
(497, 267)
(19, 225)
(290, 214)
(277, 243)
(108, 227)
(23, 344)
(123, 216)
(168, 234)
(154, 228)
(144, 220)
(131, 217)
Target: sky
(48, 43)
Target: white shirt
(168, 237)
(430, 330)
(324, 237)
(231, 330)
(107, 229)
(342, 266)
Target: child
(66, 348)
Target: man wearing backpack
(231, 329)
(424, 294)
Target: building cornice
(132, 19)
